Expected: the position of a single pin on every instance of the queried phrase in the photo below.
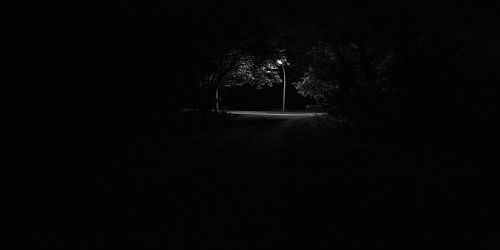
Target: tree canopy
(357, 55)
(418, 57)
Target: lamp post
(280, 62)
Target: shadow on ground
(253, 182)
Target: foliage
(249, 72)
(311, 85)
(397, 59)
(235, 67)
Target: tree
(410, 56)
(311, 85)
(237, 68)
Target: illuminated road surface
(256, 132)
(274, 113)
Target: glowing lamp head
(279, 62)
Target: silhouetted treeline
(113, 62)
(95, 68)
(400, 65)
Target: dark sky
(97, 51)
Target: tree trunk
(217, 109)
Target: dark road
(264, 181)
(273, 181)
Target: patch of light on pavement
(269, 113)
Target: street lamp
(280, 62)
